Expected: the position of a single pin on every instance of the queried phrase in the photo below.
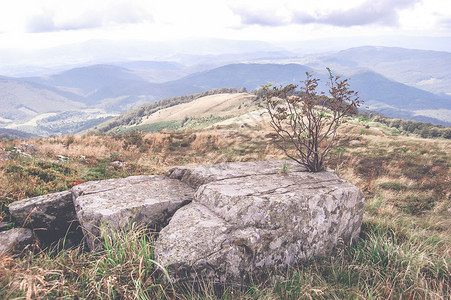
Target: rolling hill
(399, 100)
(423, 69)
(85, 81)
(394, 81)
(15, 134)
(248, 75)
(21, 100)
(380, 93)
(222, 108)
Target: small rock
(5, 155)
(119, 164)
(15, 240)
(28, 148)
(3, 226)
(62, 158)
(52, 215)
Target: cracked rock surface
(247, 224)
(195, 176)
(146, 200)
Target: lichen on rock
(245, 225)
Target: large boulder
(246, 225)
(146, 200)
(52, 217)
(15, 240)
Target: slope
(380, 93)
(219, 105)
(84, 81)
(250, 76)
(21, 100)
(424, 69)
(398, 100)
(216, 103)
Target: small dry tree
(309, 120)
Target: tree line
(423, 129)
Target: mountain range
(406, 83)
(423, 69)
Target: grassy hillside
(403, 251)
(21, 100)
(232, 108)
(136, 116)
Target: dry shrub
(157, 141)
(206, 142)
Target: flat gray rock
(195, 176)
(52, 215)
(147, 200)
(15, 240)
(247, 225)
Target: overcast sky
(44, 23)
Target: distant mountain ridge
(380, 93)
(87, 79)
(249, 75)
(110, 89)
(423, 69)
(15, 134)
(21, 99)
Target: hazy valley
(403, 83)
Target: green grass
(26, 177)
(201, 123)
(124, 269)
(384, 264)
(154, 127)
(191, 124)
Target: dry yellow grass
(406, 231)
(219, 105)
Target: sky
(38, 24)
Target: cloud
(258, 16)
(384, 12)
(48, 22)
(42, 22)
(73, 16)
(261, 12)
(445, 24)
